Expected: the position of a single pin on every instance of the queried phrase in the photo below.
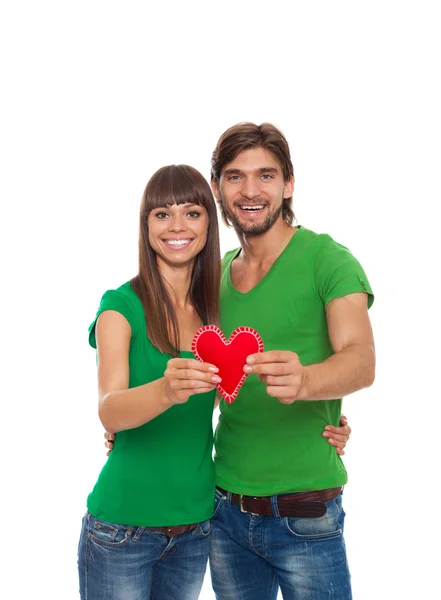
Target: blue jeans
(117, 562)
(252, 556)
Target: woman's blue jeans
(117, 562)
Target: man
(279, 519)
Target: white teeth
(253, 207)
(177, 242)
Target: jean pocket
(107, 534)
(203, 529)
(321, 528)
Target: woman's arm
(338, 436)
(121, 407)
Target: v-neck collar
(267, 274)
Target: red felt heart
(210, 345)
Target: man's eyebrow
(268, 170)
(261, 170)
(232, 172)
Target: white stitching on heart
(227, 397)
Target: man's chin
(254, 229)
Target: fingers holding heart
(184, 377)
(276, 380)
(193, 377)
(281, 371)
(271, 363)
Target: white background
(95, 97)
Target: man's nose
(250, 188)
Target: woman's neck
(177, 281)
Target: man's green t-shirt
(161, 473)
(264, 447)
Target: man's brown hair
(245, 136)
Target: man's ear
(215, 189)
(289, 188)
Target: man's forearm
(343, 373)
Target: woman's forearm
(129, 408)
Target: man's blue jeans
(117, 562)
(252, 556)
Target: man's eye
(234, 178)
(267, 176)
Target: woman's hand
(338, 436)
(187, 376)
(110, 438)
(182, 378)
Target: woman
(155, 495)
(146, 532)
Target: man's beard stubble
(253, 229)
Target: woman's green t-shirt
(161, 473)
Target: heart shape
(210, 345)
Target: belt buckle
(242, 508)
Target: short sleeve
(338, 273)
(114, 300)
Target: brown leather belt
(175, 530)
(300, 505)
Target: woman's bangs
(186, 192)
(177, 185)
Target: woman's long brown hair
(177, 184)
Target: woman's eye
(194, 214)
(161, 215)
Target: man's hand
(280, 370)
(338, 436)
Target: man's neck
(265, 248)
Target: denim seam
(171, 542)
(112, 544)
(138, 533)
(86, 562)
(218, 506)
(275, 507)
(273, 581)
(262, 539)
(250, 535)
(202, 532)
(315, 537)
